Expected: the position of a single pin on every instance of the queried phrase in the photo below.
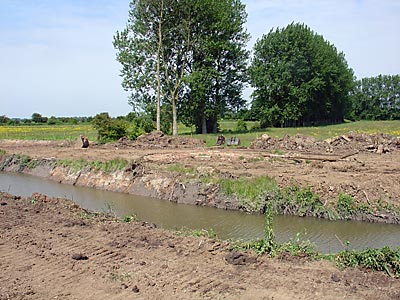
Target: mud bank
(147, 180)
(134, 179)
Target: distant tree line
(376, 98)
(38, 119)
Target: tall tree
(188, 53)
(299, 78)
(219, 62)
(153, 51)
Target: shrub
(345, 206)
(109, 129)
(241, 126)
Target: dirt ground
(366, 167)
(52, 249)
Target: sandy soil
(52, 249)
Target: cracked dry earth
(52, 249)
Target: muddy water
(327, 236)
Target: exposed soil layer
(366, 167)
(52, 249)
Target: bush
(109, 129)
(345, 206)
(241, 126)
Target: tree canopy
(185, 53)
(377, 98)
(298, 79)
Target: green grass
(48, 132)
(227, 127)
(320, 133)
(109, 166)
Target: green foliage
(298, 247)
(345, 206)
(116, 164)
(269, 237)
(301, 202)
(4, 119)
(219, 64)
(241, 126)
(37, 118)
(376, 98)
(299, 79)
(130, 218)
(385, 259)
(109, 129)
(251, 191)
(256, 126)
(179, 168)
(187, 54)
(209, 233)
(109, 166)
(267, 245)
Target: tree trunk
(158, 114)
(174, 117)
(203, 124)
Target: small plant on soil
(179, 168)
(267, 244)
(210, 233)
(130, 218)
(120, 277)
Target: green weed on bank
(385, 259)
(113, 165)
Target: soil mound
(157, 139)
(378, 143)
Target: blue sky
(57, 58)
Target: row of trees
(188, 55)
(37, 118)
(187, 59)
(376, 98)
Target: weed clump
(385, 259)
(109, 166)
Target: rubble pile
(378, 143)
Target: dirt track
(52, 249)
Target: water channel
(327, 236)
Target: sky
(57, 57)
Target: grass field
(48, 132)
(71, 132)
(321, 132)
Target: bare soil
(366, 167)
(52, 249)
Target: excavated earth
(52, 249)
(366, 167)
